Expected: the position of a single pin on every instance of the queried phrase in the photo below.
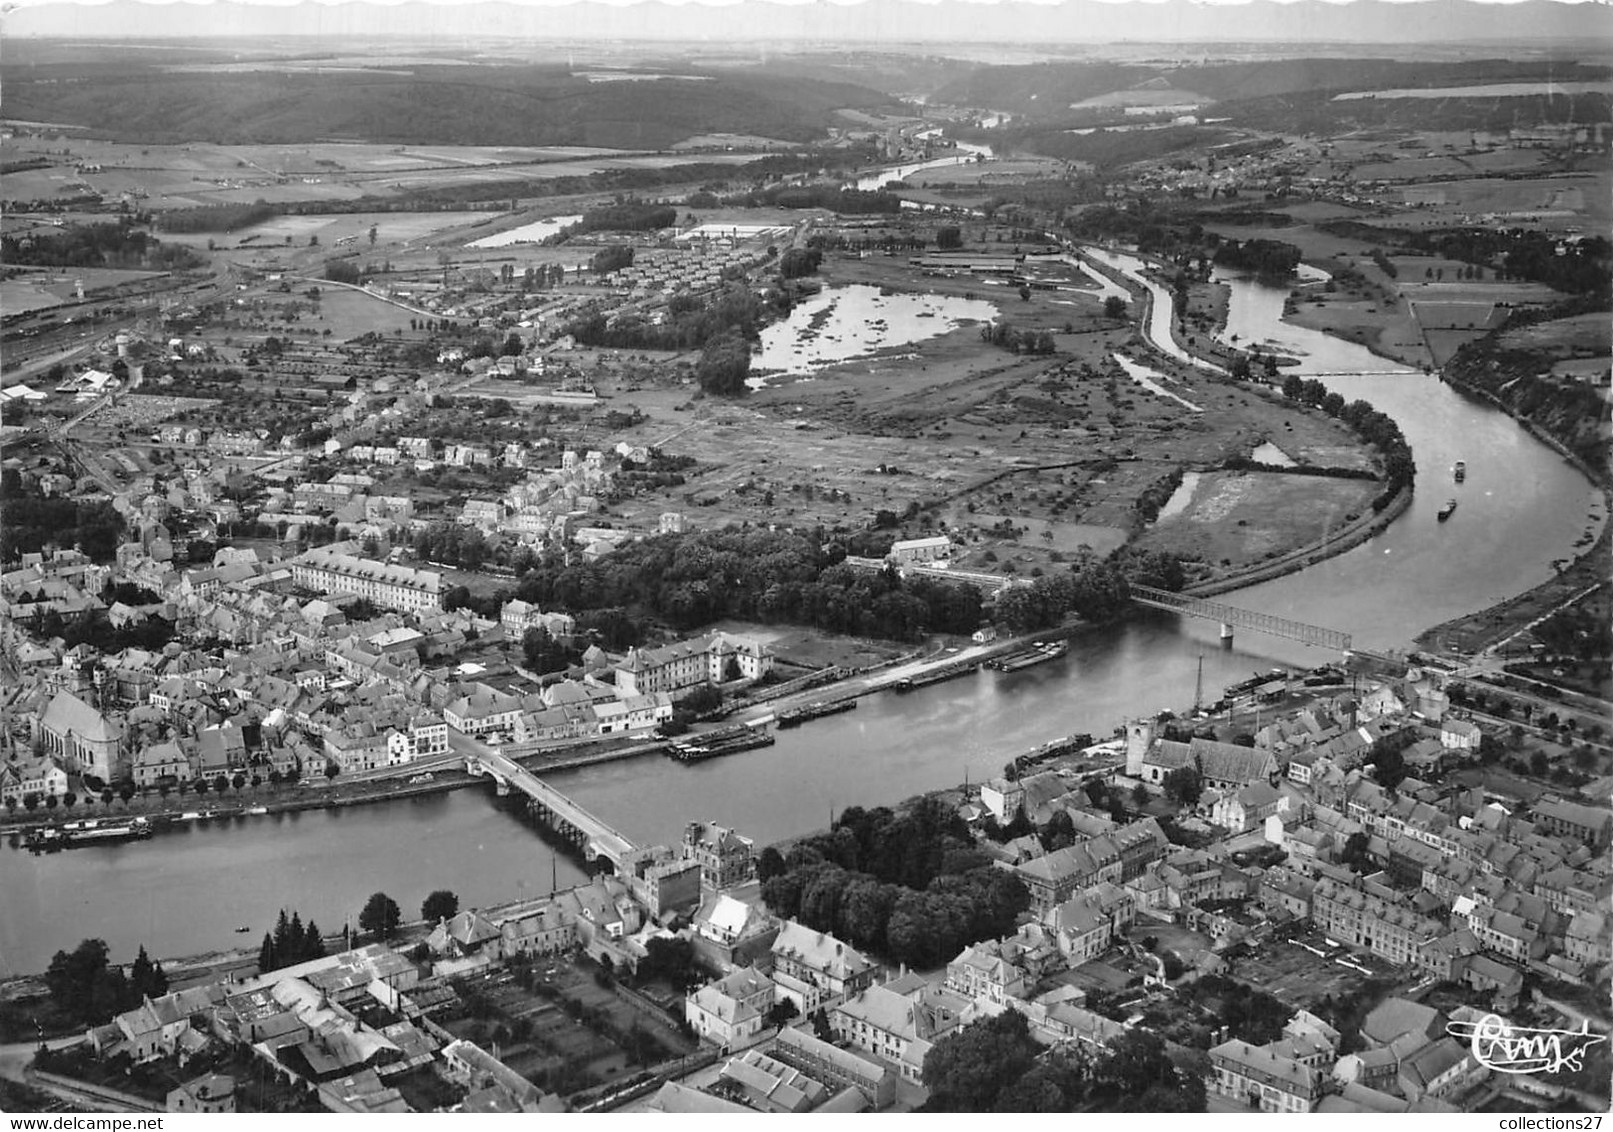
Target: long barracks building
(394, 587)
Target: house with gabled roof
(813, 968)
(731, 1012)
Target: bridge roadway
(596, 838)
(1231, 617)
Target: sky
(1501, 21)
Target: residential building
(161, 764)
(1358, 918)
(209, 1093)
(1444, 1068)
(1262, 1078)
(40, 776)
(1592, 825)
(836, 1067)
(814, 969)
(907, 552)
(1088, 924)
(985, 971)
(898, 1025)
(726, 859)
(731, 1013)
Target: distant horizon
(870, 23)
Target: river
(1522, 507)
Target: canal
(1521, 508)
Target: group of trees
(216, 217)
(724, 364)
(86, 987)
(1003, 333)
(623, 215)
(1093, 589)
(908, 884)
(995, 1065)
(1268, 258)
(689, 324)
(32, 520)
(1377, 429)
(95, 628)
(691, 579)
(796, 262)
(290, 943)
(97, 245)
(544, 654)
(342, 271)
(1581, 267)
(452, 544)
(612, 258)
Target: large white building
(688, 664)
(394, 587)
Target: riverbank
(169, 813)
(1486, 628)
(1346, 538)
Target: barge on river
(79, 834)
(794, 717)
(936, 676)
(1039, 653)
(717, 744)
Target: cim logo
(1506, 1048)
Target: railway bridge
(560, 813)
(1233, 618)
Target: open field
(1024, 459)
(1242, 516)
(167, 177)
(38, 289)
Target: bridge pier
(1226, 635)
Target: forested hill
(1048, 89)
(1514, 368)
(436, 105)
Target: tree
(781, 1014)
(1114, 307)
(769, 865)
(1184, 785)
(440, 905)
(948, 238)
(724, 365)
(1354, 853)
(381, 915)
(968, 1069)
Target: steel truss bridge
(1231, 617)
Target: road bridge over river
(570, 820)
(1231, 618)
